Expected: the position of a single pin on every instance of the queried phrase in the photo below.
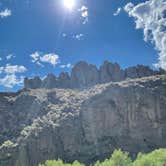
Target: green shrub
(119, 158)
(60, 163)
(155, 158)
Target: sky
(38, 37)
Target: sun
(69, 4)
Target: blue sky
(59, 37)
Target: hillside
(87, 125)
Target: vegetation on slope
(119, 158)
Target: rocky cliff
(84, 75)
(43, 123)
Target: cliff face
(86, 125)
(84, 75)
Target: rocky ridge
(87, 125)
(84, 75)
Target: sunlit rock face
(111, 72)
(41, 124)
(84, 75)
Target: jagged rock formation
(139, 71)
(111, 72)
(84, 75)
(33, 83)
(49, 82)
(40, 124)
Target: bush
(119, 158)
(155, 158)
(60, 163)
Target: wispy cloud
(64, 35)
(117, 12)
(151, 17)
(5, 13)
(39, 58)
(10, 56)
(10, 75)
(12, 69)
(1, 69)
(78, 36)
(84, 14)
(68, 65)
(11, 80)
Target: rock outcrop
(111, 72)
(84, 75)
(139, 71)
(40, 124)
(32, 83)
(49, 82)
(64, 80)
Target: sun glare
(69, 4)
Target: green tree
(155, 158)
(118, 158)
(60, 163)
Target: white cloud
(35, 57)
(10, 56)
(117, 11)
(12, 69)
(64, 35)
(1, 69)
(50, 58)
(11, 80)
(84, 11)
(5, 13)
(0, 59)
(84, 14)
(9, 77)
(151, 17)
(39, 59)
(78, 36)
(69, 65)
(128, 7)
